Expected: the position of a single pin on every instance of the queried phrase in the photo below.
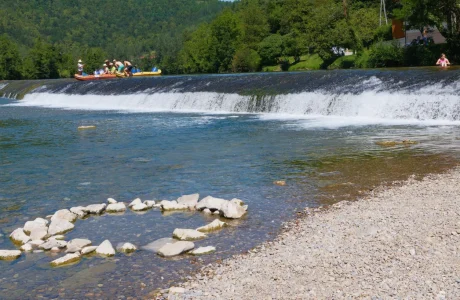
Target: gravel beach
(398, 242)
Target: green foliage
(246, 60)
(271, 48)
(10, 59)
(384, 54)
(343, 62)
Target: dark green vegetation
(45, 37)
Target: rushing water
(318, 138)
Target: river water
(172, 136)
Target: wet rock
(111, 201)
(128, 248)
(203, 250)
(18, 236)
(52, 244)
(231, 210)
(139, 207)
(135, 202)
(188, 234)
(116, 207)
(105, 248)
(27, 247)
(189, 200)
(156, 245)
(55, 249)
(64, 214)
(57, 237)
(172, 205)
(214, 225)
(76, 245)
(59, 226)
(210, 203)
(279, 182)
(87, 250)
(36, 230)
(217, 213)
(38, 251)
(149, 203)
(36, 243)
(207, 211)
(174, 249)
(80, 211)
(41, 220)
(96, 209)
(67, 259)
(9, 254)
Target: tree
(271, 48)
(10, 60)
(246, 60)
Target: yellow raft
(140, 74)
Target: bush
(421, 55)
(384, 54)
(246, 60)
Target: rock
(18, 236)
(207, 211)
(87, 250)
(76, 245)
(27, 247)
(36, 230)
(232, 210)
(116, 207)
(203, 250)
(216, 213)
(86, 127)
(41, 220)
(134, 202)
(55, 249)
(128, 248)
(111, 201)
(105, 248)
(36, 243)
(80, 211)
(188, 234)
(57, 237)
(176, 290)
(189, 200)
(149, 203)
(96, 209)
(9, 254)
(156, 245)
(214, 225)
(238, 202)
(211, 203)
(139, 207)
(174, 249)
(67, 259)
(279, 182)
(64, 214)
(171, 205)
(52, 244)
(59, 226)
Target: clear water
(47, 164)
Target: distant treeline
(45, 37)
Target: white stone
(149, 203)
(52, 244)
(174, 249)
(128, 247)
(19, 237)
(203, 250)
(139, 207)
(57, 237)
(135, 201)
(170, 205)
(36, 243)
(176, 290)
(111, 201)
(116, 207)
(232, 210)
(156, 245)
(80, 211)
(36, 229)
(216, 213)
(38, 251)
(64, 214)
(237, 201)
(88, 250)
(207, 211)
(76, 245)
(214, 225)
(59, 226)
(55, 249)
(211, 203)
(167, 202)
(105, 248)
(188, 234)
(189, 200)
(67, 259)
(41, 220)
(27, 247)
(9, 254)
(96, 208)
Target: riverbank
(398, 242)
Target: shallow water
(47, 164)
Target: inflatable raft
(118, 75)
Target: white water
(426, 107)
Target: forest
(44, 38)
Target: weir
(403, 94)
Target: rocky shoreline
(398, 242)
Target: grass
(343, 62)
(307, 62)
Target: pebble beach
(398, 242)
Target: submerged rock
(156, 245)
(57, 237)
(116, 207)
(80, 211)
(188, 234)
(105, 248)
(111, 201)
(174, 249)
(64, 214)
(67, 259)
(76, 245)
(279, 182)
(135, 202)
(210, 203)
(203, 250)
(231, 210)
(96, 208)
(9, 254)
(59, 226)
(149, 203)
(189, 200)
(52, 244)
(27, 247)
(139, 207)
(172, 205)
(88, 249)
(128, 248)
(214, 225)
(18, 236)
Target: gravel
(398, 242)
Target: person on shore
(80, 66)
(443, 61)
(128, 68)
(119, 66)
